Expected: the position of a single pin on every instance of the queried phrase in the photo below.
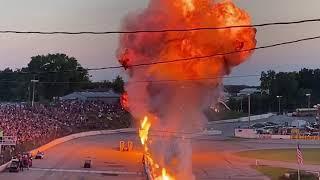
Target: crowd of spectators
(45, 122)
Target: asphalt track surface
(65, 161)
(211, 159)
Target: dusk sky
(104, 15)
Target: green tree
(118, 85)
(266, 79)
(286, 85)
(66, 70)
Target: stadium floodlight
(34, 81)
(279, 104)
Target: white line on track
(87, 171)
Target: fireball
(179, 105)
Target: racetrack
(65, 161)
(211, 159)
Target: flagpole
(298, 161)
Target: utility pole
(309, 97)
(279, 103)
(241, 109)
(34, 81)
(249, 109)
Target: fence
(305, 137)
(244, 119)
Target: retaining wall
(79, 135)
(252, 134)
(4, 167)
(244, 119)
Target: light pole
(241, 109)
(309, 97)
(279, 103)
(249, 109)
(317, 118)
(33, 88)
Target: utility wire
(228, 53)
(174, 60)
(151, 81)
(196, 79)
(159, 31)
(208, 56)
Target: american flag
(299, 155)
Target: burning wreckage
(169, 97)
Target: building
(246, 91)
(109, 97)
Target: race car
(14, 165)
(39, 155)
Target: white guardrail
(244, 119)
(4, 167)
(252, 134)
(71, 137)
(79, 135)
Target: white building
(109, 97)
(247, 91)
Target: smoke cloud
(178, 105)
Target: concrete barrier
(79, 135)
(252, 134)
(246, 133)
(244, 119)
(4, 167)
(280, 137)
(299, 137)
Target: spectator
(43, 123)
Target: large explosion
(177, 105)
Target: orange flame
(124, 101)
(143, 133)
(164, 176)
(144, 130)
(188, 6)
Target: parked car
(315, 134)
(257, 125)
(271, 124)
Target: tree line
(58, 75)
(292, 87)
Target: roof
(108, 94)
(250, 90)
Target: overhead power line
(174, 60)
(227, 53)
(142, 81)
(195, 79)
(158, 31)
